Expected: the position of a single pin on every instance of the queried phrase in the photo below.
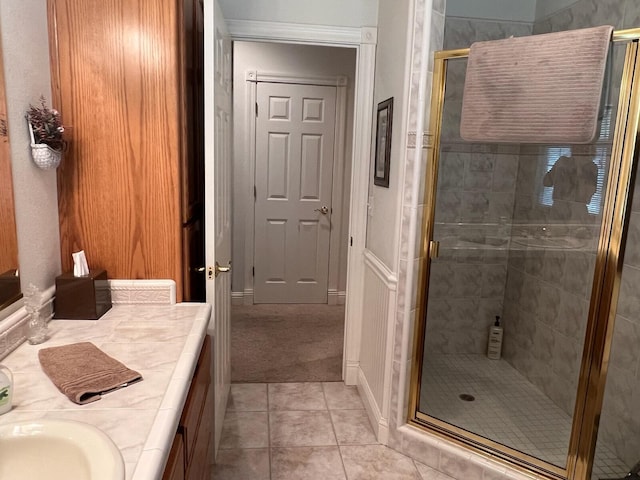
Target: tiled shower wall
(467, 281)
(547, 293)
(476, 193)
(620, 421)
(591, 13)
(547, 296)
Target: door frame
(364, 40)
(253, 77)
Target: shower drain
(466, 397)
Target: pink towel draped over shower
(536, 89)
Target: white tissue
(80, 267)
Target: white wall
(511, 10)
(24, 35)
(544, 8)
(292, 59)
(391, 80)
(344, 13)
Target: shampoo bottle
(6, 389)
(494, 347)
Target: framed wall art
(383, 143)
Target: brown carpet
(287, 343)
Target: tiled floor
(507, 408)
(306, 431)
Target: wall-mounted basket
(43, 155)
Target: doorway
(294, 108)
(363, 41)
(285, 249)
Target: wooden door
(295, 132)
(115, 78)
(218, 121)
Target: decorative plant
(46, 124)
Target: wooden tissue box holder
(82, 298)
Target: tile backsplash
(145, 292)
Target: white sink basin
(57, 449)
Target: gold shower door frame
(605, 289)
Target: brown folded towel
(83, 372)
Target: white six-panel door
(295, 130)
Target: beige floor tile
(307, 463)
(352, 427)
(245, 430)
(369, 462)
(428, 473)
(301, 429)
(341, 397)
(296, 396)
(248, 397)
(242, 464)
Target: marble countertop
(160, 342)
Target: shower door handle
(434, 249)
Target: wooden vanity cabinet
(175, 465)
(189, 456)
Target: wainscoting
(374, 375)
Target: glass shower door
(515, 232)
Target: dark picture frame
(384, 122)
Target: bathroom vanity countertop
(160, 342)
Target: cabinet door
(175, 465)
(190, 421)
(200, 466)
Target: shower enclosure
(534, 234)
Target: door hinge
(256, 109)
(255, 194)
(253, 271)
(351, 241)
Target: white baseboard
(380, 425)
(242, 298)
(334, 297)
(248, 296)
(352, 370)
(237, 298)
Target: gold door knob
(220, 269)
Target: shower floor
(507, 408)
